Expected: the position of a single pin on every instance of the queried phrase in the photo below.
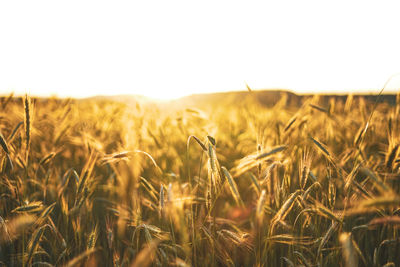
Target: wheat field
(104, 183)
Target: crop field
(98, 182)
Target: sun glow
(168, 49)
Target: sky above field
(167, 49)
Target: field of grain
(103, 183)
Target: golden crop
(104, 183)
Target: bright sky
(167, 49)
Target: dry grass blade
(325, 212)
(34, 242)
(10, 165)
(232, 186)
(359, 252)
(391, 156)
(291, 239)
(320, 146)
(271, 152)
(121, 155)
(47, 158)
(290, 123)
(3, 144)
(350, 178)
(149, 188)
(197, 141)
(47, 211)
(360, 135)
(151, 158)
(284, 210)
(125, 155)
(302, 259)
(319, 108)
(255, 183)
(212, 140)
(31, 207)
(12, 135)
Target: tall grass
(100, 183)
